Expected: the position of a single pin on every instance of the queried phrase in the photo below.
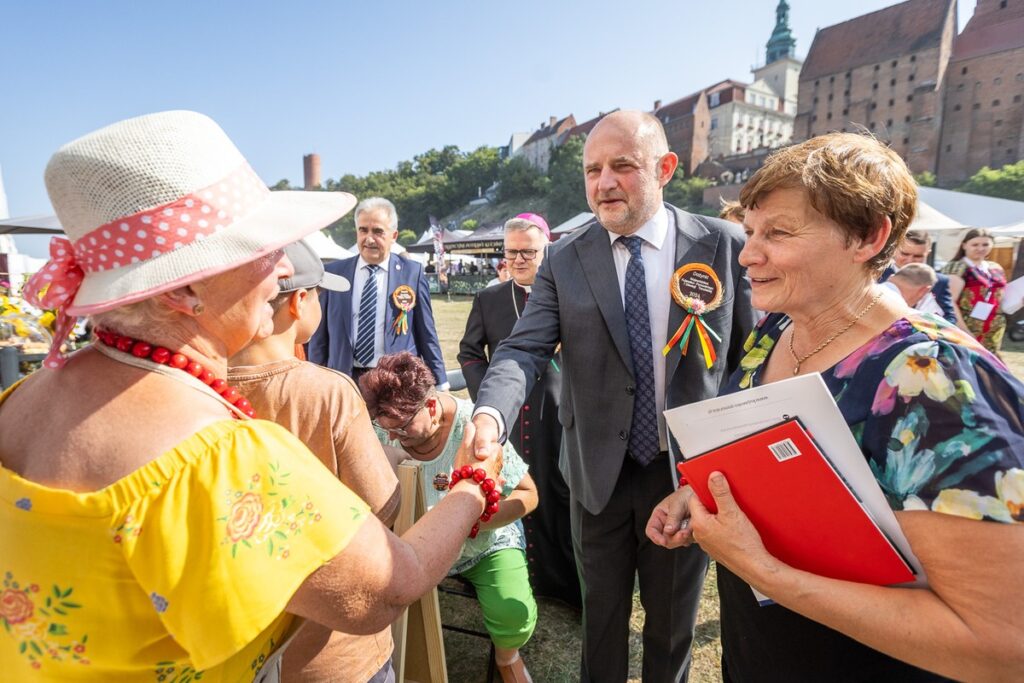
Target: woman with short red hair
(938, 418)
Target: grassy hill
(494, 214)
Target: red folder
(804, 511)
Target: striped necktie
(367, 318)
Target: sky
(364, 85)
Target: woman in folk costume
(149, 529)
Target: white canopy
(1014, 230)
(326, 248)
(577, 221)
(1005, 217)
(933, 220)
(973, 210)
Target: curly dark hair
(397, 387)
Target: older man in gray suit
(604, 294)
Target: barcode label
(784, 450)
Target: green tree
(687, 193)
(281, 184)
(470, 224)
(568, 194)
(407, 237)
(471, 174)
(925, 179)
(519, 180)
(1006, 182)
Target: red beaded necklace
(179, 361)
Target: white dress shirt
(361, 276)
(659, 255)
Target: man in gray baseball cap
(325, 410)
(309, 271)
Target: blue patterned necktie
(367, 319)
(643, 434)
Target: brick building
(885, 72)
(732, 117)
(585, 127)
(537, 149)
(983, 109)
(687, 122)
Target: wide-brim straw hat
(159, 201)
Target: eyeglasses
(527, 254)
(400, 431)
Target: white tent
(1004, 216)
(1014, 230)
(930, 219)
(973, 210)
(577, 221)
(326, 248)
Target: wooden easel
(419, 646)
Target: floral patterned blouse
(178, 572)
(941, 422)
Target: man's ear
(182, 300)
(667, 167)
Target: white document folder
(705, 425)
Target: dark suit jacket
(576, 301)
(333, 343)
(943, 298)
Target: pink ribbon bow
(55, 287)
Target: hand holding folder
(804, 512)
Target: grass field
(552, 656)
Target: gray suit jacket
(576, 301)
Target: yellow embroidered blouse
(179, 572)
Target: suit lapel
(595, 253)
(694, 244)
(394, 279)
(348, 304)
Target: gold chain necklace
(799, 361)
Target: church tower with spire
(781, 70)
(782, 43)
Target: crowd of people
(187, 498)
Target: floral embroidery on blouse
(159, 602)
(176, 672)
(266, 515)
(257, 663)
(936, 415)
(128, 527)
(36, 619)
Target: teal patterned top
(513, 470)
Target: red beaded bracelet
(682, 477)
(487, 485)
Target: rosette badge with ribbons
(698, 290)
(404, 298)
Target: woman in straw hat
(148, 529)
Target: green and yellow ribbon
(692, 322)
